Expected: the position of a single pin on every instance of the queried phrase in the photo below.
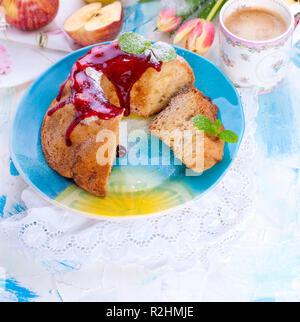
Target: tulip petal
(176, 23)
(185, 42)
(185, 29)
(194, 35)
(168, 13)
(168, 21)
(209, 31)
(206, 39)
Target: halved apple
(93, 23)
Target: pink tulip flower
(196, 35)
(168, 21)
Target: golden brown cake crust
(178, 115)
(79, 160)
(87, 171)
(57, 154)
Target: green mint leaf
(218, 125)
(148, 51)
(204, 124)
(228, 136)
(148, 44)
(132, 43)
(163, 52)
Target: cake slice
(94, 156)
(197, 150)
(153, 91)
(90, 158)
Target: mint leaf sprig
(204, 124)
(133, 43)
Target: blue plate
(152, 189)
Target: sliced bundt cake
(81, 159)
(174, 126)
(152, 92)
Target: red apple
(30, 14)
(93, 23)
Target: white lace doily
(196, 232)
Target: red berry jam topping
(87, 96)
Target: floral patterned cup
(256, 63)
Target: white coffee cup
(256, 63)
